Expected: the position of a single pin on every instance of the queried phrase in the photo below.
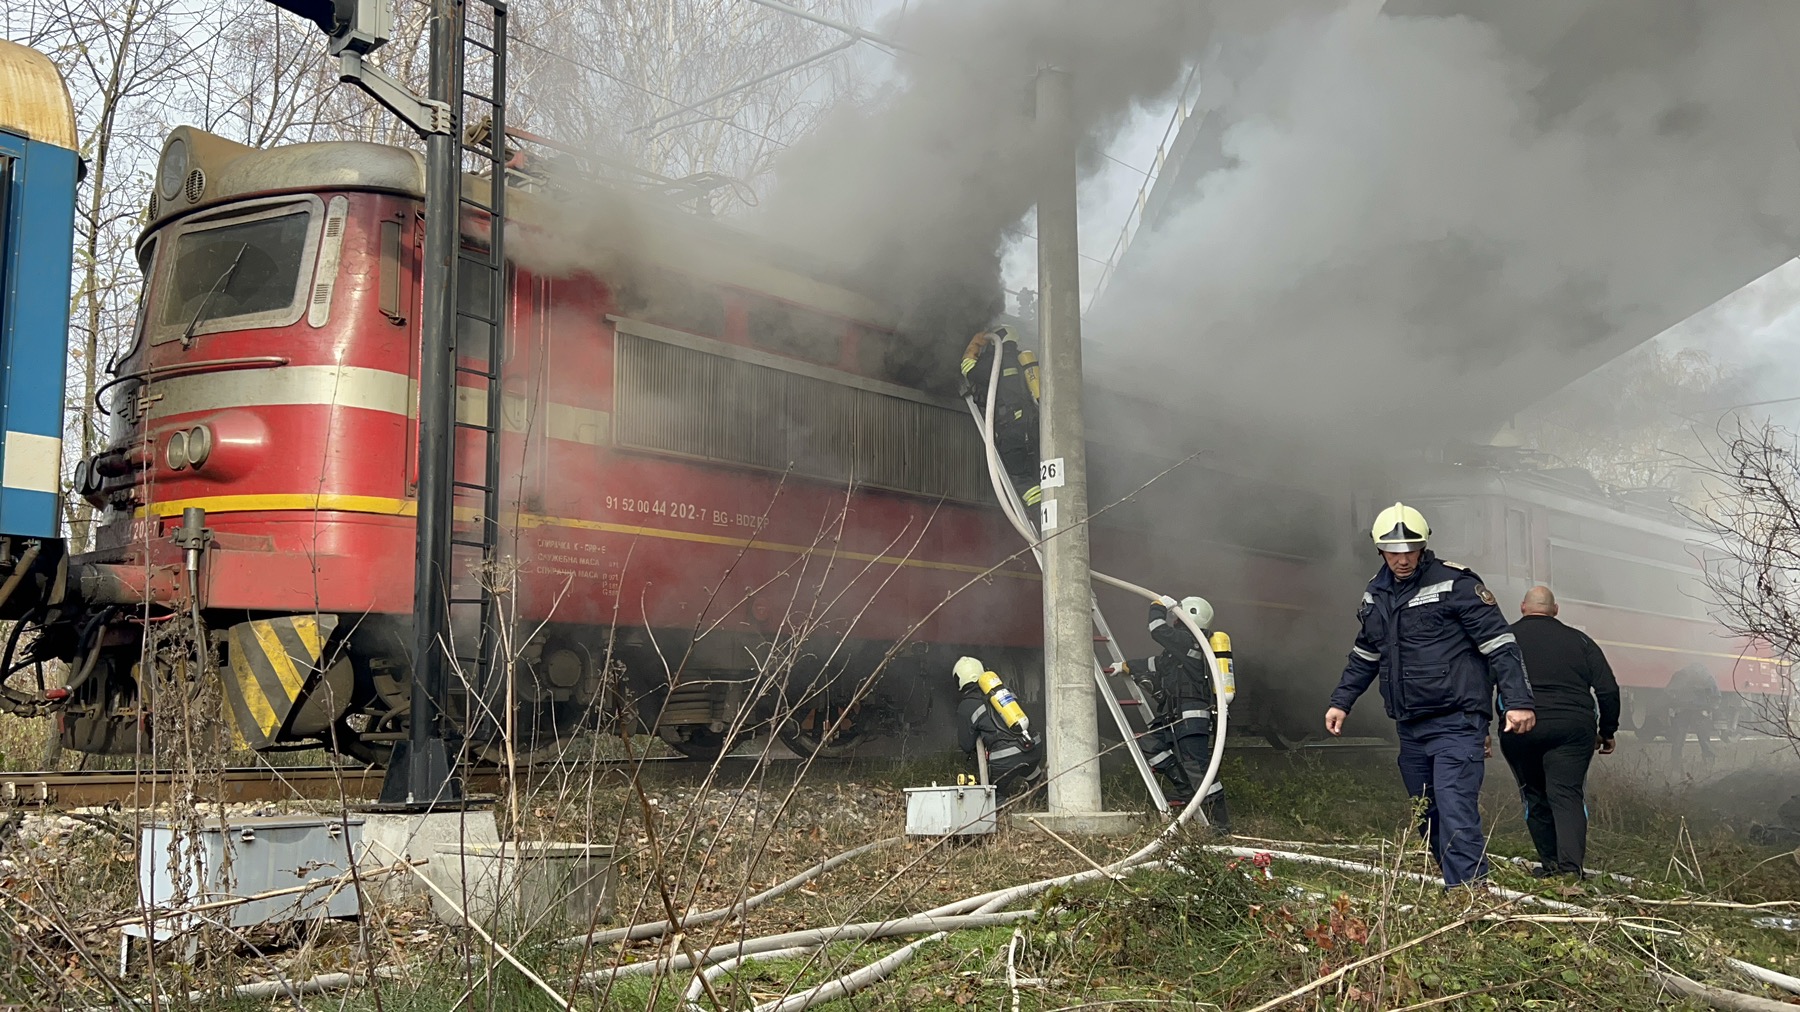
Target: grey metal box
(247, 856)
(950, 811)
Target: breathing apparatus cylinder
(1005, 704)
(1028, 363)
(1221, 648)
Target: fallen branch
(502, 951)
(1012, 965)
(656, 929)
(849, 983)
(1078, 852)
(1718, 904)
(1447, 999)
(1301, 992)
(173, 913)
(811, 937)
(1718, 997)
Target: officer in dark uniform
(1433, 636)
(1015, 762)
(1015, 407)
(1577, 701)
(1179, 742)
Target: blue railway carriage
(39, 170)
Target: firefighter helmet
(1199, 609)
(968, 671)
(1400, 528)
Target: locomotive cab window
(243, 268)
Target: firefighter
(1433, 636)
(988, 713)
(1180, 686)
(1015, 407)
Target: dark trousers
(1550, 762)
(1442, 763)
(1014, 776)
(1180, 753)
(1680, 723)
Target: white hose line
(712, 973)
(913, 925)
(1003, 489)
(654, 929)
(849, 983)
(1765, 976)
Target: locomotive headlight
(173, 170)
(176, 456)
(199, 445)
(83, 473)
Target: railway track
(148, 788)
(65, 789)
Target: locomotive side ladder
(479, 280)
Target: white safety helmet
(968, 671)
(1199, 609)
(1400, 528)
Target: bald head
(1538, 601)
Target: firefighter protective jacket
(1181, 680)
(1438, 644)
(975, 718)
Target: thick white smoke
(915, 191)
(1427, 222)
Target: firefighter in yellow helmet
(1179, 742)
(1439, 646)
(1015, 407)
(987, 712)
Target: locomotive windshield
(245, 271)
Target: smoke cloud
(915, 192)
(1497, 197)
(1411, 202)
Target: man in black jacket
(1569, 675)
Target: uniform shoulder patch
(1486, 595)
(1453, 565)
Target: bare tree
(683, 88)
(1752, 514)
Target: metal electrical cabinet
(247, 856)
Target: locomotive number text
(674, 509)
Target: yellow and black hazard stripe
(272, 662)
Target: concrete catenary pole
(1072, 734)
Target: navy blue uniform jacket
(1437, 643)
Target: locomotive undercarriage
(273, 682)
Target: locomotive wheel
(805, 735)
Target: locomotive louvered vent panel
(678, 400)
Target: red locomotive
(730, 488)
(704, 452)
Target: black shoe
(1542, 872)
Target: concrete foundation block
(520, 887)
(388, 837)
(1082, 824)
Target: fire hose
(1015, 514)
